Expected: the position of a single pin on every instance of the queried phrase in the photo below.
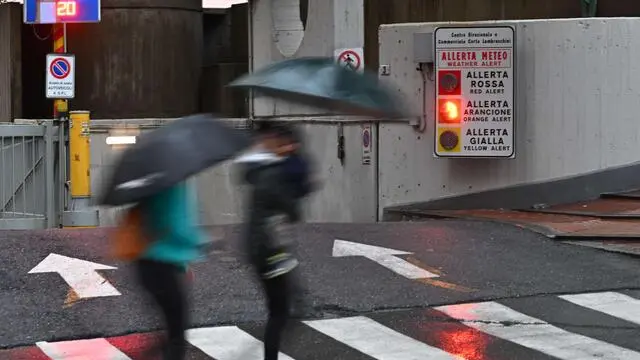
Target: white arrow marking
(382, 256)
(81, 275)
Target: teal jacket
(171, 219)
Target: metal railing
(27, 182)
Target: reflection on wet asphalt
(583, 326)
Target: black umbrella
(321, 82)
(171, 154)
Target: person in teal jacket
(170, 222)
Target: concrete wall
(218, 200)
(278, 32)
(578, 90)
(281, 29)
(348, 192)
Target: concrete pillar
(10, 61)
(279, 32)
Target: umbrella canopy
(171, 154)
(321, 82)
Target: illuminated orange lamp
(66, 8)
(449, 111)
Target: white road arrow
(382, 256)
(81, 275)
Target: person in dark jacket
(297, 169)
(277, 174)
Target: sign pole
(60, 87)
(60, 47)
(60, 114)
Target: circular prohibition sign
(349, 59)
(60, 68)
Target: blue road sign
(366, 138)
(61, 11)
(60, 68)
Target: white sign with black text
(475, 109)
(60, 76)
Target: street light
(121, 140)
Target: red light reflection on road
(463, 342)
(466, 344)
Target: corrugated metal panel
(10, 50)
(618, 8)
(36, 43)
(216, 97)
(226, 57)
(144, 59)
(5, 64)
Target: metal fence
(27, 176)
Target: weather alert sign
(475, 102)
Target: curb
(581, 240)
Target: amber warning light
(449, 110)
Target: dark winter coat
(271, 195)
(297, 170)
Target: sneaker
(279, 264)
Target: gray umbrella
(171, 154)
(321, 82)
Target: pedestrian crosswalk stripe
(99, 349)
(376, 340)
(228, 343)
(364, 337)
(505, 323)
(611, 303)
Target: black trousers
(278, 291)
(165, 283)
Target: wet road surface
(602, 325)
(397, 283)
